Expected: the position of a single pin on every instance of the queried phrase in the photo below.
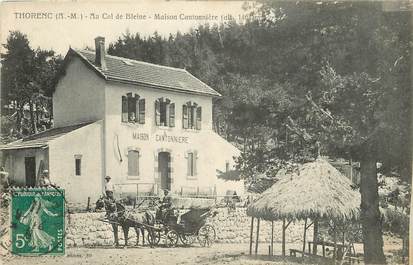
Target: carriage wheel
(206, 235)
(187, 239)
(172, 238)
(154, 236)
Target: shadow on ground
(262, 259)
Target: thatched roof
(315, 189)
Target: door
(30, 171)
(164, 161)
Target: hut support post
(258, 233)
(283, 236)
(335, 242)
(315, 236)
(251, 234)
(283, 239)
(272, 238)
(305, 232)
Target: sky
(60, 25)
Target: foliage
(303, 74)
(395, 221)
(28, 80)
(395, 204)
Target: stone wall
(232, 226)
(235, 227)
(84, 229)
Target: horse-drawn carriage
(192, 226)
(187, 227)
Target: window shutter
(137, 102)
(141, 111)
(157, 112)
(137, 163)
(189, 166)
(194, 162)
(124, 109)
(131, 108)
(190, 117)
(133, 163)
(172, 115)
(198, 118)
(130, 163)
(185, 116)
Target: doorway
(30, 171)
(164, 168)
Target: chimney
(100, 52)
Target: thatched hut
(314, 190)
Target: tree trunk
(32, 118)
(370, 214)
(37, 115)
(50, 105)
(19, 118)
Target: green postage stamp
(37, 221)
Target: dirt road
(217, 254)
(229, 254)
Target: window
(198, 118)
(78, 165)
(191, 116)
(226, 166)
(133, 163)
(191, 157)
(133, 109)
(190, 164)
(164, 112)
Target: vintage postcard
(205, 132)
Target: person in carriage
(165, 206)
(166, 211)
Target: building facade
(148, 127)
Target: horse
(118, 215)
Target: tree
(348, 63)
(16, 74)
(28, 80)
(365, 115)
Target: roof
(315, 189)
(142, 73)
(41, 139)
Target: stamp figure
(38, 221)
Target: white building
(147, 126)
